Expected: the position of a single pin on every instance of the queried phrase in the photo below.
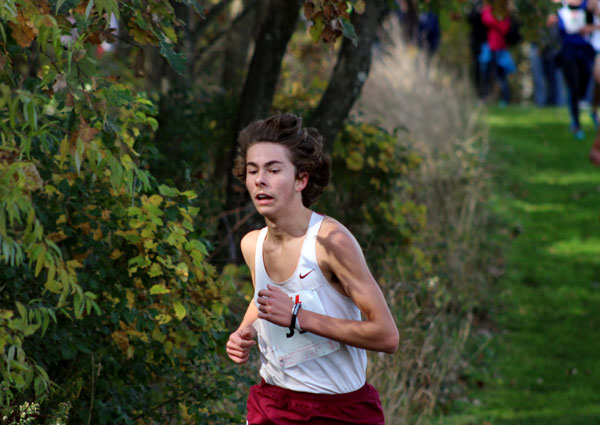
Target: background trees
(108, 301)
(119, 218)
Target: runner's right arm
(243, 339)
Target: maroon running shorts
(272, 405)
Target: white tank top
(307, 362)
(573, 19)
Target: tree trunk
(255, 102)
(238, 43)
(410, 22)
(271, 44)
(259, 88)
(348, 76)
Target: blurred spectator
(421, 28)
(428, 31)
(477, 37)
(494, 57)
(548, 86)
(113, 30)
(407, 15)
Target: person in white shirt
(312, 285)
(576, 55)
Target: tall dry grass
(435, 113)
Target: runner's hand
(239, 344)
(275, 306)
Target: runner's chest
(281, 261)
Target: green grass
(542, 364)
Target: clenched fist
(239, 344)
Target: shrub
(370, 193)
(107, 299)
(434, 307)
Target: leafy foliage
(378, 206)
(110, 311)
(107, 298)
(331, 18)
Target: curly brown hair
(304, 144)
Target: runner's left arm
(340, 255)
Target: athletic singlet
(307, 362)
(572, 20)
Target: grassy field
(541, 365)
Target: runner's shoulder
(334, 236)
(248, 245)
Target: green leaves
(180, 311)
(98, 261)
(159, 289)
(349, 31)
(167, 191)
(176, 60)
(193, 3)
(107, 6)
(331, 19)
(59, 4)
(383, 198)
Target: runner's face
(271, 178)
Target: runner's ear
(301, 181)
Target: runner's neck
(290, 227)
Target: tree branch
(350, 73)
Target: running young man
(311, 285)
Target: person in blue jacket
(428, 30)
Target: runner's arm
(339, 253)
(243, 338)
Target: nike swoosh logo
(303, 276)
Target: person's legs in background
(538, 74)
(504, 87)
(584, 74)
(485, 68)
(554, 81)
(477, 74)
(572, 78)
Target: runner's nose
(259, 179)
